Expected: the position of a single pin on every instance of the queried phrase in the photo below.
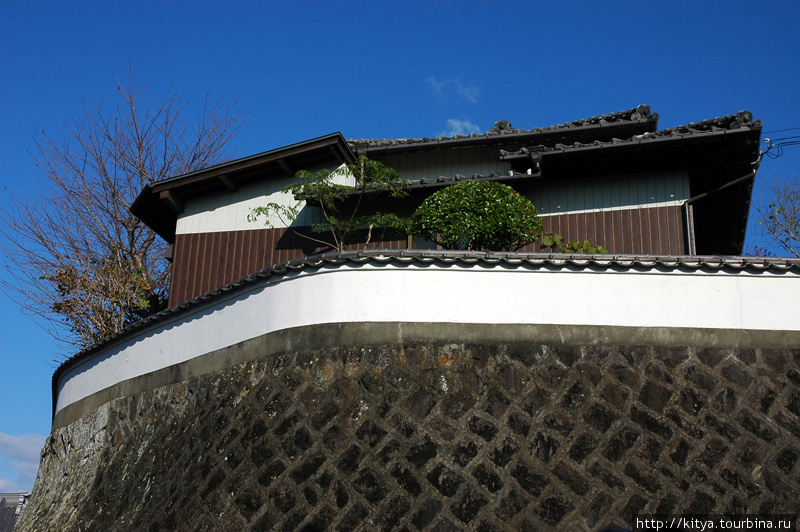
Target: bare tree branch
(780, 216)
(78, 257)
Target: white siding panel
(228, 211)
(657, 189)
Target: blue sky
(371, 69)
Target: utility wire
(779, 130)
(779, 148)
(780, 143)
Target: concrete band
(366, 334)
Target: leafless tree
(780, 215)
(78, 256)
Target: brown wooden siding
(647, 231)
(205, 261)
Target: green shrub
(477, 215)
(556, 243)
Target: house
(614, 179)
(12, 506)
(448, 389)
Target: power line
(779, 130)
(780, 143)
(779, 146)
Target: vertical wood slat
(221, 261)
(619, 240)
(191, 278)
(636, 230)
(572, 223)
(181, 276)
(627, 230)
(283, 253)
(177, 254)
(237, 253)
(598, 230)
(194, 270)
(206, 261)
(655, 231)
(259, 250)
(608, 234)
(675, 223)
(646, 237)
(666, 231)
(269, 245)
(178, 277)
(228, 249)
(213, 263)
(248, 259)
(670, 230)
(205, 250)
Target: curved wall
(723, 307)
(437, 393)
(426, 435)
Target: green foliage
(486, 215)
(556, 243)
(474, 215)
(340, 204)
(477, 215)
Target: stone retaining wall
(435, 436)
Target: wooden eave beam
(228, 183)
(172, 200)
(285, 166)
(246, 164)
(339, 154)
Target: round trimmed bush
(478, 215)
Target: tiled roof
(735, 121)
(740, 120)
(503, 127)
(405, 256)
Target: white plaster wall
(228, 211)
(477, 293)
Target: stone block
(518, 437)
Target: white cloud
(25, 447)
(443, 88)
(460, 127)
(19, 461)
(9, 486)
(436, 86)
(468, 91)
